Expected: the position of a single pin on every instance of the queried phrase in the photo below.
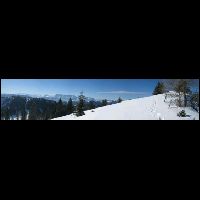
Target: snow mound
(147, 108)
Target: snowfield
(147, 108)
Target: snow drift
(147, 108)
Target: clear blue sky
(97, 88)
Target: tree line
(82, 105)
(21, 108)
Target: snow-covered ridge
(147, 108)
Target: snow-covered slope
(147, 108)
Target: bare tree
(182, 87)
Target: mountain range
(55, 97)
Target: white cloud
(122, 92)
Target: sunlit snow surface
(147, 108)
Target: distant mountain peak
(56, 97)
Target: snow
(147, 108)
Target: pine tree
(33, 111)
(2, 114)
(7, 114)
(91, 105)
(59, 109)
(23, 114)
(104, 102)
(159, 89)
(80, 105)
(119, 100)
(18, 115)
(70, 107)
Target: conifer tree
(7, 114)
(80, 105)
(2, 114)
(33, 111)
(23, 113)
(159, 89)
(18, 115)
(119, 100)
(70, 107)
(59, 109)
(104, 102)
(91, 105)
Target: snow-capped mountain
(65, 98)
(148, 108)
(56, 97)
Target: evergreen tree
(18, 115)
(159, 89)
(80, 105)
(2, 114)
(47, 114)
(7, 114)
(91, 105)
(70, 107)
(104, 102)
(119, 100)
(33, 111)
(23, 113)
(50, 112)
(59, 109)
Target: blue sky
(97, 88)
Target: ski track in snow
(147, 108)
